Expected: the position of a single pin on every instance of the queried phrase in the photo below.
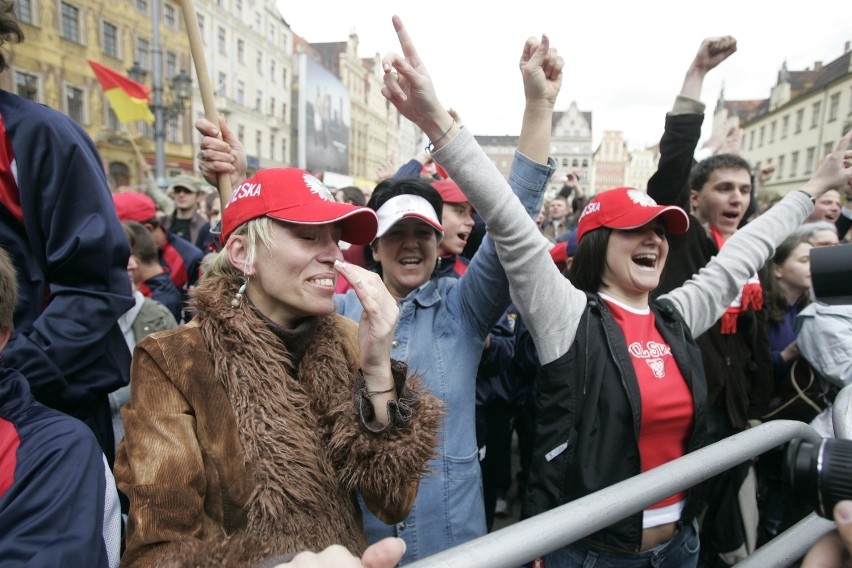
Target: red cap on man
(132, 206)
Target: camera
(819, 474)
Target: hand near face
(835, 171)
(377, 324)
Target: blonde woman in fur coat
(250, 428)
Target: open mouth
(410, 261)
(731, 215)
(463, 236)
(323, 282)
(645, 261)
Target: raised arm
(220, 154)
(549, 304)
(682, 131)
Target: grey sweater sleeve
(704, 298)
(550, 305)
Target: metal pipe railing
(549, 531)
(841, 413)
(789, 546)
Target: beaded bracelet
(431, 146)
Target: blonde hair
(256, 231)
(8, 291)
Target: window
(284, 111)
(173, 130)
(833, 106)
(241, 95)
(259, 63)
(575, 163)
(241, 51)
(271, 106)
(827, 149)
(169, 16)
(241, 132)
(751, 140)
(284, 76)
(143, 52)
(258, 22)
(585, 163)
(794, 163)
(272, 71)
(220, 85)
(109, 39)
(258, 101)
(272, 147)
(200, 20)
(284, 150)
(24, 11)
(221, 40)
(780, 167)
(74, 103)
(112, 120)
(772, 132)
(564, 162)
(238, 8)
(800, 116)
(26, 86)
(762, 132)
(258, 142)
(785, 126)
(70, 22)
(171, 64)
(809, 160)
(817, 106)
(142, 6)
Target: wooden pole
(196, 48)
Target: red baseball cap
(628, 208)
(133, 206)
(450, 191)
(295, 196)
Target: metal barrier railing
(519, 543)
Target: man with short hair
(186, 221)
(735, 351)
(146, 272)
(557, 220)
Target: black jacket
(738, 366)
(590, 413)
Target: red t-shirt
(667, 408)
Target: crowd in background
(450, 331)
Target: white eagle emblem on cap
(317, 187)
(640, 198)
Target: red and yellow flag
(129, 99)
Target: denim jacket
(440, 334)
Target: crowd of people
(329, 378)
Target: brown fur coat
(227, 444)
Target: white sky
(625, 60)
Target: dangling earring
(238, 298)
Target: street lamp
(164, 111)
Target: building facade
(806, 114)
(610, 162)
(249, 50)
(571, 143)
(50, 67)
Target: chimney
(817, 65)
(846, 47)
